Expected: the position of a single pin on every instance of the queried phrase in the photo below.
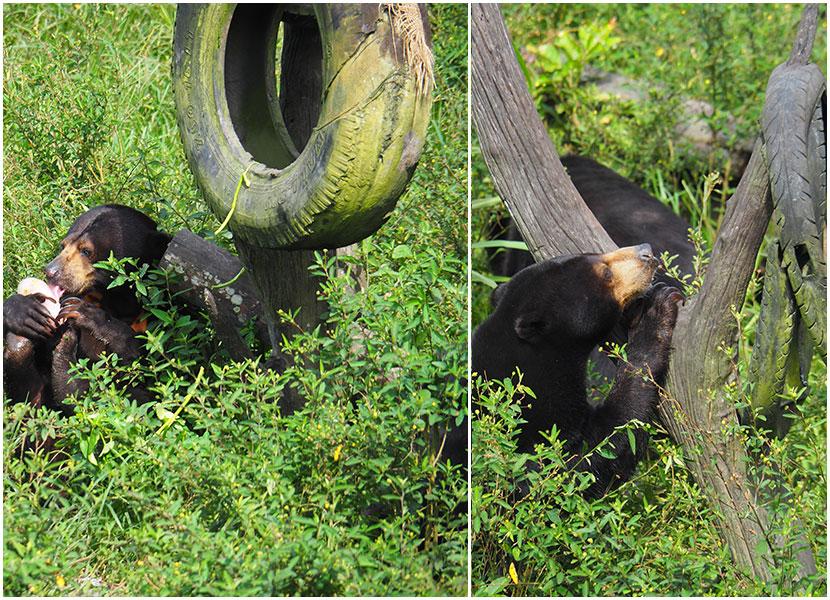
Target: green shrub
(656, 534)
(328, 500)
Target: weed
(655, 534)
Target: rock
(693, 126)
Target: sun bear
(546, 321)
(42, 340)
(626, 211)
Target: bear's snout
(644, 252)
(632, 270)
(52, 270)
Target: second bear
(545, 323)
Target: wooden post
(283, 282)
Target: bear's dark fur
(545, 323)
(38, 351)
(627, 212)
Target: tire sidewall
(347, 178)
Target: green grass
(655, 535)
(235, 498)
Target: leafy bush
(654, 535)
(558, 65)
(329, 497)
(715, 52)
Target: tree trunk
(695, 411)
(805, 36)
(526, 171)
(554, 220)
(283, 283)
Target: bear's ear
(155, 245)
(530, 326)
(495, 297)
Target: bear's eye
(607, 274)
(86, 252)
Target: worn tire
(793, 124)
(776, 355)
(329, 154)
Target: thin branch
(803, 44)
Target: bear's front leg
(28, 317)
(21, 376)
(650, 331)
(99, 331)
(634, 394)
(64, 356)
(27, 325)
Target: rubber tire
(774, 354)
(793, 124)
(357, 159)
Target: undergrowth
(656, 534)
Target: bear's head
(575, 299)
(99, 232)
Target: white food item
(32, 285)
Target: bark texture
(806, 35)
(205, 268)
(283, 282)
(695, 410)
(526, 170)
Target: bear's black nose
(644, 252)
(51, 271)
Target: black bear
(626, 211)
(40, 344)
(546, 321)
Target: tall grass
(656, 534)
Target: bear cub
(73, 315)
(546, 321)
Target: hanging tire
(329, 147)
(776, 354)
(794, 131)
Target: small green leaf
(479, 278)
(401, 251)
(509, 244)
(162, 413)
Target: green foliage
(212, 488)
(715, 52)
(557, 66)
(581, 117)
(326, 500)
(654, 535)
